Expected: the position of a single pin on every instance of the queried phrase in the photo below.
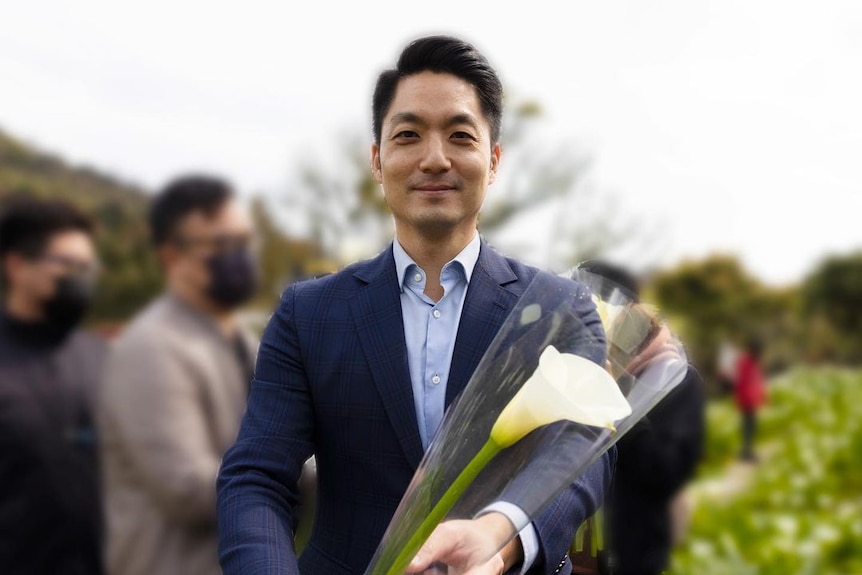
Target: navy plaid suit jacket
(332, 380)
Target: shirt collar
(466, 257)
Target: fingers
(439, 546)
(459, 546)
(492, 567)
(660, 348)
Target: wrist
(501, 529)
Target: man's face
(200, 237)
(69, 253)
(435, 159)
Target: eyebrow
(413, 118)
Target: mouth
(435, 188)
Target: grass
(800, 511)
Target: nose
(435, 158)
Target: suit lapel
(486, 306)
(376, 311)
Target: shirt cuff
(529, 539)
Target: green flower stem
(436, 515)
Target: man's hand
(465, 547)
(661, 348)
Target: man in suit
(358, 367)
(176, 384)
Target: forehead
(433, 96)
(72, 243)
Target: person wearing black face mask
(73, 294)
(50, 516)
(175, 385)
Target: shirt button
(417, 277)
(435, 380)
(436, 313)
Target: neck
(224, 319)
(431, 252)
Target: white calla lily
(563, 387)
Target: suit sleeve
(557, 523)
(257, 483)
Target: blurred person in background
(656, 459)
(727, 359)
(49, 369)
(750, 394)
(176, 383)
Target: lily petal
(563, 387)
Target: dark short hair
(27, 224)
(442, 54)
(754, 346)
(180, 198)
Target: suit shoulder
(89, 345)
(159, 327)
(317, 294)
(337, 283)
(527, 274)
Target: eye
(406, 135)
(463, 136)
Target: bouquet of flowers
(553, 392)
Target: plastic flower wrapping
(550, 396)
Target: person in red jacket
(750, 394)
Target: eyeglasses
(71, 265)
(220, 243)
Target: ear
(376, 171)
(495, 162)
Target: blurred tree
(832, 303)
(715, 299)
(281, 258)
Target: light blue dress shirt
(430, 329)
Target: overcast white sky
(737, 122)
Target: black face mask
(233, 278)
(70, 302)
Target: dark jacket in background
(655, 460)
(50, 513)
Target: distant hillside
(23, 168)
(130, 276)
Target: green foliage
(832, 300)
(799, 512)
(130, 275)
(716, 299)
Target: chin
(438, 229)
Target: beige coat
(171, 403)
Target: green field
(799, 510)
